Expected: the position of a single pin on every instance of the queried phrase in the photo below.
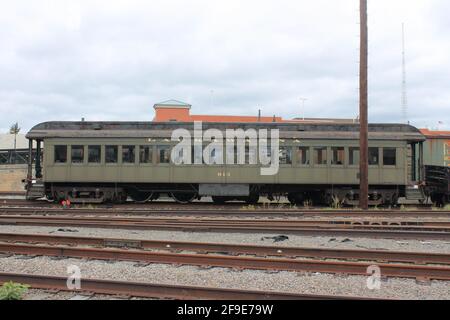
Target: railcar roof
(84, 129)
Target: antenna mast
(404, 93)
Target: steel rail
(390, 232)
(361, 222)
(187, 210)
(12, 193)
(240, 262)
(159, 291)
(214, 223)
(224, 248)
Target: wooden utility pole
(363, 110)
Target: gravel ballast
(314, 283)
(250, 239)
(321, 284)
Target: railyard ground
(310, 283)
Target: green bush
(13, 291)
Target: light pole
(303, 100)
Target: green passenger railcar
(111, 161)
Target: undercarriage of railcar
(299, 195)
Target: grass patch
(13, 291)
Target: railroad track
(345, 222)
(251, 224)
(13, 193)
(9, 207)
(247, 226)
(427, 272)
(159, 291)
(232, 249)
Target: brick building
(174, 110)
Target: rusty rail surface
(223, 248)
(159, 291)
(13, 193)
(28, 207)
(240, 262)
(248, 226)
(439, 223)
(336, 223)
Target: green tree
(14, 129)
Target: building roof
(324, 120)
(177, 111)
(435, 134)
(7, 141)
(234, 119)
(172, 103)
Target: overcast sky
(112, 60)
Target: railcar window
(389, 156)
(60, 154)
(94, 154)
(197, 155)
(111, 154)
(178, 157)
(215, 157)
(163, 154)
(128, 155)
(354, 156)
(266, 155)
(338, 156)
(303, 156)
(285, 155)
(251, 155)
(232, 153)
(77, 154)
(374, 156)
(146, 154)
(320, 156)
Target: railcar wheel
(252, 199)
(140, 196)
(183, 197)
(120, 198)
(296, 198)
(438, 199)
(219, 200)
(155, 196)
(394, 200)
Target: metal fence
(19, 156)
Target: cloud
(63, 60)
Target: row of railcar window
(320, 155)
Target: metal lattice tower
(404, 89)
